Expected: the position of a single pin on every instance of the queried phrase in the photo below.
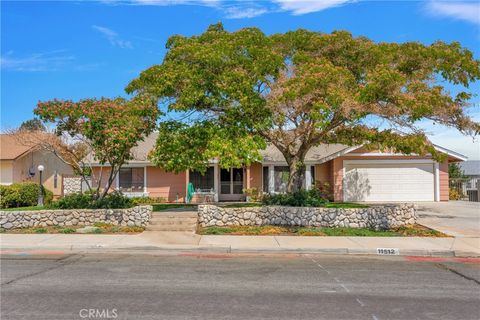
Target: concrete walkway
(182, 241)
(456, 218)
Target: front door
(231, 184)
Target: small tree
(109, 127)
(301, 89)
(455, 171)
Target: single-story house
(19, 163)
(354, 173)
(470, 186)
(471, 168)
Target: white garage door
(380, 181)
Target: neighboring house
(354, 173)
(470, 187)
(471, 168)
(19, 163)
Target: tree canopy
(244, 89)
(109, 127)
(455, 171)
(34, 124)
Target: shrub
(453, 194)
(23, 194)
(253, 194)
(147, 200)
(114, 200)
(302, 198)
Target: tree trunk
(297, 175)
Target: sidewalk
(180, 241)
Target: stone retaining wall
(136, 216)
(376, 217)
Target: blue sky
(79, 49)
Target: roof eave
(453, 154)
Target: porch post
(247, 175)
(271, 179)
(436, 183)
(215, 181)
(308, 177)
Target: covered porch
(222, 185)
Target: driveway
(456, 218)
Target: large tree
(241, 90)
(109, 128)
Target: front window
(202, 182)
(265, 179)
(281, 175)
(131, 179)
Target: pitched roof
(317, 154)
(270, 154)
(10, 149)
(471, 167)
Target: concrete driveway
(456, 218)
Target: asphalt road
(210, 286)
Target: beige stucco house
(18, 163)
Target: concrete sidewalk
(181, 241)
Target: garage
(389, 180)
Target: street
(237, 286)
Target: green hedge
(114, 200)
(23, 194)
(302, 198)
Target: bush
(23, 194)
(114, 200)
(453, 194)
(147, 200)
(253, 194)
(302, 198)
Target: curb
(228, 249)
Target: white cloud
(241, 12)
(248, 8)
(113, 37)
(452, 139)
(299, 7)
(467, 11)
(45, 61)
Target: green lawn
(165, 206)
(410, 231)
(337, 205)
(345, 205)
(32, 208)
